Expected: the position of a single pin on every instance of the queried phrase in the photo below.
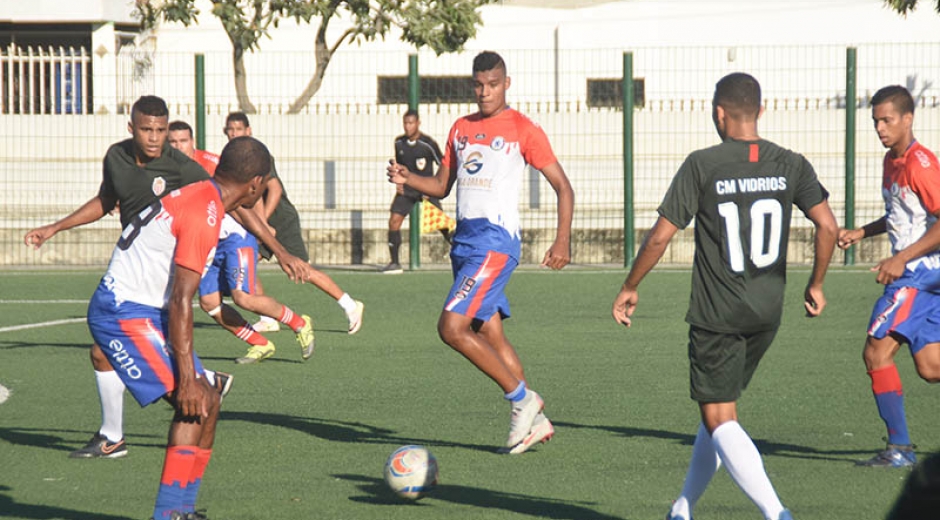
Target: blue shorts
(133, 337)
(480, 280)
(908, 312)
(233, 267)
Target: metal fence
(331, 154)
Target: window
(434, 89)
(608, 93)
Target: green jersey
(136, 187)
(741, 194)
(285, 213)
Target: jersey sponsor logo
(480, 137)
(213, 214)
(498, 143)
(473, 163)
(466, 285)
(421, 162)
(922, 158)
(750, 185)
(123, 359)
(158, 186)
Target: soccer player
(420, 154)
(909, 309)
(142, 313)
(232, 273)
(281, 215)
(741, 194)
(486, 156)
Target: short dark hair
(237, 116)
(411, 113)
(739, 94)
(176, 126)
(897, 95)
(150, 106)
(488, 60)
(242, 159)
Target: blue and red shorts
(480, 279)
(133, 337)
(908, 312)
(233, 267)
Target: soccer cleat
(785, 515)
(99, 447)
(266, 324)
(306, 339)
(542, 431)
(392, 268)
(893, 456)
(523, 416)
(670, 516)
(256, 354)
(177, 515)
(195, 515)
(223, 383)
(355, 318)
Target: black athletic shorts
(290, 236)
(721, 364)
(402, 204)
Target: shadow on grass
(4, 345)
(47, 439)
(766, 447)
(376, 493)
(342, 431)
(12, 508)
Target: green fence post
(200, 102)
(629, 233)
(850, 113)
(414, 220)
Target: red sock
(251, 336)
(290, 319)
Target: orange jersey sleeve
(924, 177)
(197, 217)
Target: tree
(905, 6)
(442, 25)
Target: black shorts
(288, 233)
(402, 204)
(721, 364)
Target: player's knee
(929, 372)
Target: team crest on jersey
(158, 186)
(473, 163)
(480, 137)
(498, 143)
(421, 163)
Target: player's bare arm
(827, 232)
(295, 268)
(850, 237)
(559, 254)
(438, 185)
(652, 249)
(275, 192)
(89, 212)
(189, 397)
(890, 269)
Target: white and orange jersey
(911, 191)
(181, 229)
(208, 160)
(490, 155)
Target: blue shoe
(894, 456)
(785, 515)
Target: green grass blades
(302, 440)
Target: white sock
(705, 462)
(265, 319)
(744, 464)
(347, 303)
(111, 395)
(210, 376)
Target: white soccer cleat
(266, 324)
(355, 317)
(523, 416)
(542, 431)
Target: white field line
(41, 324)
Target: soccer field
(305, 440)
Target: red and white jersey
(207, 160)
(181, 229)
(490, 155)
(230, 226)
(911, 191)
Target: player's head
(181, 138)
(244, 168)
(490, 83)
(148, 127)
(892, 111)
(236, 125)
(411, 123)
(737, 101)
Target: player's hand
(295, 267)
(814, 301)
(624, 305)
(37, 237)
(557, 256)
(397, 173)
(191, 398)
(889, 270)
(849, 237)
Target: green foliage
(905, 6)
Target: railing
(52, 80)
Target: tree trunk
(323, 55)
(241, 83)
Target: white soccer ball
(411, 472)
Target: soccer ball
(411, 472)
